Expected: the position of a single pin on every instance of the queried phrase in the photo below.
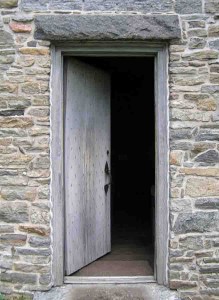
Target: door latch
(106, 187)
(107, 172)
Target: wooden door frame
(113, 49)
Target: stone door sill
(111, 279)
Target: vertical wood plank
(57, 167)
(87, 140)
(162, 171)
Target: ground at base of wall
(109, 292)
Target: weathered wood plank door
(87, 150)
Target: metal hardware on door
(107, 170)
(106, 187)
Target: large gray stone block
(6, 40)
(66, 4)
(210, 156)
(212, 6)
(151, 291)
(207, 203)
(196, 222)
(36, 241)
(188, 6)
(42, 5)
(30, 5)
(211, 89)
(214, 44)
(209, 268)
(180, 134)
(107, 27)
(30, 251)
(207, 135)
(191, 243)
(99, 5)
(14, 213)
(19, 278)
(129, 5)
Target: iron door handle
(107, 169)
(107, 172)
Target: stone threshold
(150, 291)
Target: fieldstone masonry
(25, 207)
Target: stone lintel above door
(107, 27)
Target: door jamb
(130, 49)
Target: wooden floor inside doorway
(131, 255)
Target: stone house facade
(26, 243)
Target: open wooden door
(87, 164)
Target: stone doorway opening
(82, 52)
(132, 168)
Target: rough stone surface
(207, 135)
(201, 55)
(18, 278)
(23, 137)
(202, 187)
(39, 241)
(211, 89)
(41, 5)
(212, 6)
(214, 44)
(197, 43)
(213, 30)
(210, 156)
(197, 222)
(25, 68)
(34, 229)
(207, 203)
(6, 39)
(8, 3)
(20, 17)
(191, 243)
(126, 292)
(20, 27)
(19, 193)
(13, 239)
(28, 251)
(108, 27)
(6, 228)
(99, 5)
(176, 157)
(188, 6)
(14, 213)
(129, 5)
(207, 172)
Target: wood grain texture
(162, 169)
(57, 167)
(86, 142)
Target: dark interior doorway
(132, 168)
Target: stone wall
(25, 208)
(194, 156)
(25, 254)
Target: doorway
(132, 168)
(113, 49)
